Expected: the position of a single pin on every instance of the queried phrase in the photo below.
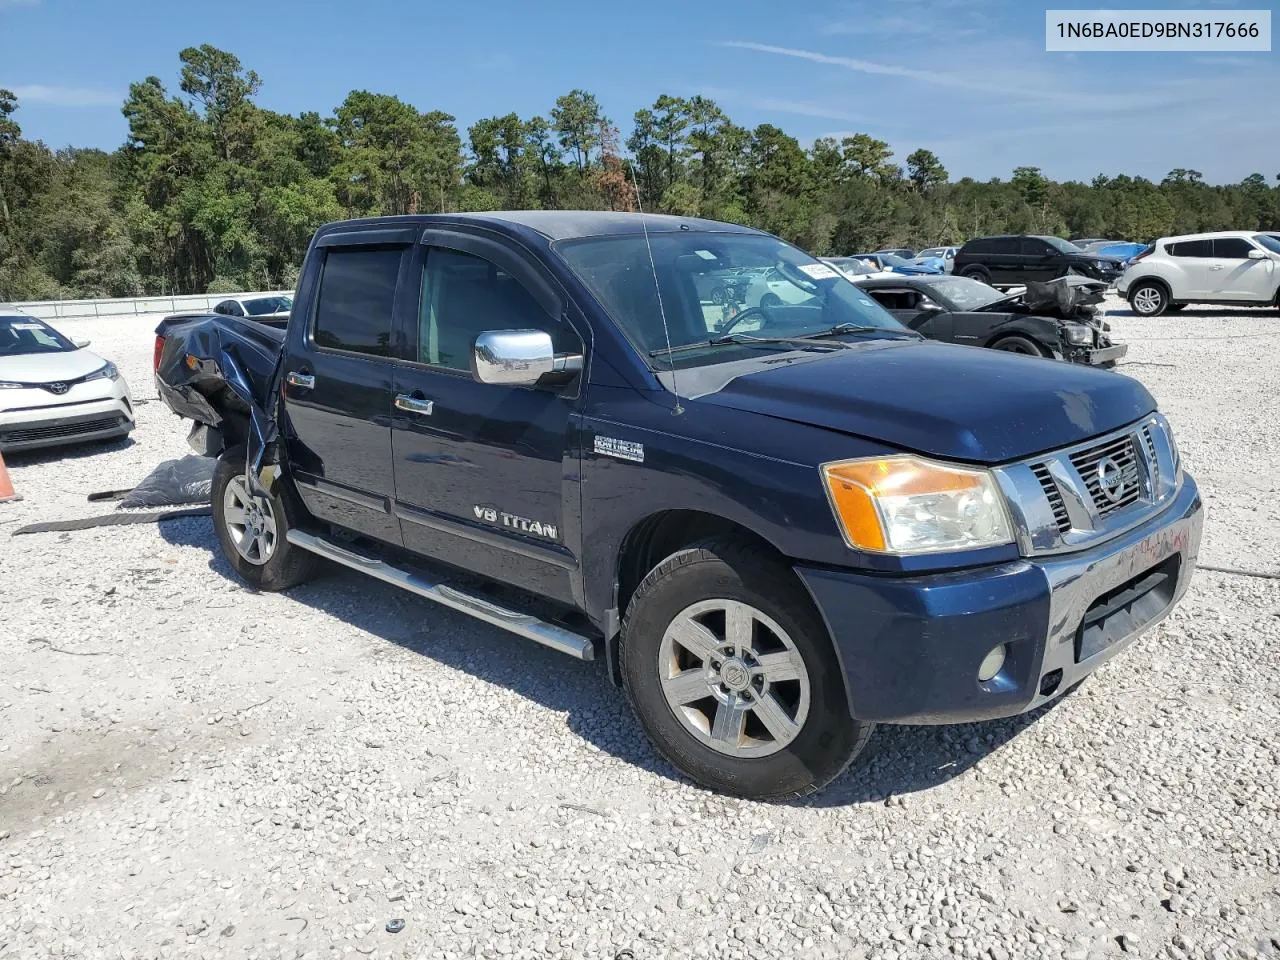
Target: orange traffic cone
(7, 492)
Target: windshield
(264, 305)
(1269, 240)
(712, 282)
(850, 265)
(22, 335)
(934, 252)
(965, 294)
(1066, 246)
(893, 260)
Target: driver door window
(463, 296)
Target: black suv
(1016, 259)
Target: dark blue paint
(906, 628)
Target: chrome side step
(521, 624)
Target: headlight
(909, 505)
(1077, 333)
(108, 372)
(11, 386)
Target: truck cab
(778, 523)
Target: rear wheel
(732, 674)
(981, 274)
(252, 528)
(1149, 299)
(1023, 345)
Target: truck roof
(561, 224)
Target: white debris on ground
(191, 769)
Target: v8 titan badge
(498, 518)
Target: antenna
(662, 311)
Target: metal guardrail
(56, 309)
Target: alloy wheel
(734, 678)
(250, 521)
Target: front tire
(1023, 345)
(1149, 299)
(732, 674)
(252, 528)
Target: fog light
(992, 663)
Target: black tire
(981, 274)
(771, 300)
(1149, 298)
(829, 737)
(1017, 344)
(285, 565)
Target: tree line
(213, 193)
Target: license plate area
(1124, 610)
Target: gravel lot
(189, 769)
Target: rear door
(338, 377)
(485, 475)
(1195, 260)
(1234, 276)
(1003, 259)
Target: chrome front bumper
(1169, 543)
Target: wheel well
(654, 539)
(657, 537)
(1168, 292)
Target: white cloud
(981, 80)
(56, 96)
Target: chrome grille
(1066, 499)
(1054, 497)
(1153, 461)
(1090, 464)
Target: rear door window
(1191, 248)
(1034, 247)
(356, 300)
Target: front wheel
(1023, 345)
(733, 676)
(252, 528)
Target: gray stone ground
(188, 769)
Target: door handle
(302, 380)
(1217, 266)
(414, 404)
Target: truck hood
(958, 403)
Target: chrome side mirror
(79, 343)
(1257, 255)
(518, 358)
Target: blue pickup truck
(779, 524)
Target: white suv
(1235, 268)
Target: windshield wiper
(840, 329)
(730, 339)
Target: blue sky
(970, 79)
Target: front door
(485, 475)
(337, 389)
(1234, 276)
